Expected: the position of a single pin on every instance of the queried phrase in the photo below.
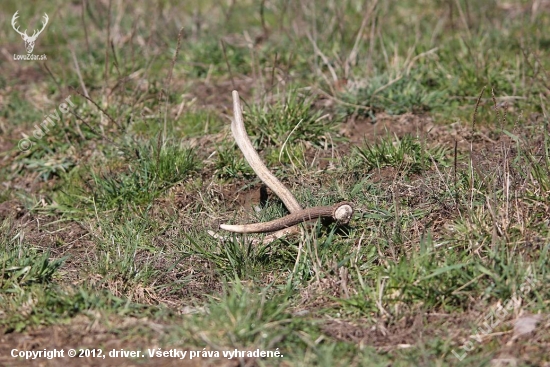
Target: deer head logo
(29, 41)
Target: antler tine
(254, 160)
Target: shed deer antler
(29, 41)
(340, 212)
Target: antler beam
(340, 212)
(44, 22)
(14, 22)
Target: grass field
(116, 158)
